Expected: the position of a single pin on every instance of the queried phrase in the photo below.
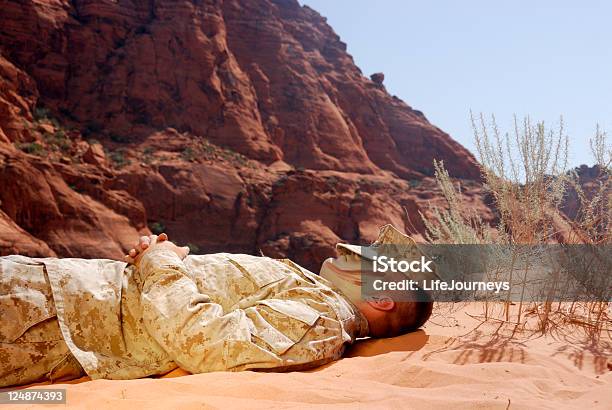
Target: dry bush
(592, 223)
(526, 173)
(453, 224)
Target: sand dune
(454, 362)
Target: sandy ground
(455, 362)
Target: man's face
(345, 273)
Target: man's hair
(407, 315)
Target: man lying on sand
(66, 318)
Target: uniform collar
(361, 323)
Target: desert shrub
(206, 150)
(188, 154)
(33, 148)
(147, 155)
(453, 225)
(526, 174)
(593, 221)
(41, 113)
(58, 140)
(118, 158)
(232, 156)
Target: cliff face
(232, 125)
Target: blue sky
(540, 58)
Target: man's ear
(384, 303)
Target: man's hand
(153, 241)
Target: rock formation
(232, 125)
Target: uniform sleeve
(197, 334)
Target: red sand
(452, 363)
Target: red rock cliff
(232, 125)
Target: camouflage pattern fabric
(209, 312)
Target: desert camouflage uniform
(207, 313)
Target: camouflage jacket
(207, 313)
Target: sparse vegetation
(58, 141)
(118, 158)
(33, 148)
(593, 221)
(453, 225)
(41, 114)
(147, 155)
(188, 154)
(526, 174)
(229, 155)
(202, 149)
(54, 135)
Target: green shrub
(188, 154)
(33, 148)
(41, 113)
(118, 158)
(59, 140)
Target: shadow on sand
(410, 342)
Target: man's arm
(194, 331)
